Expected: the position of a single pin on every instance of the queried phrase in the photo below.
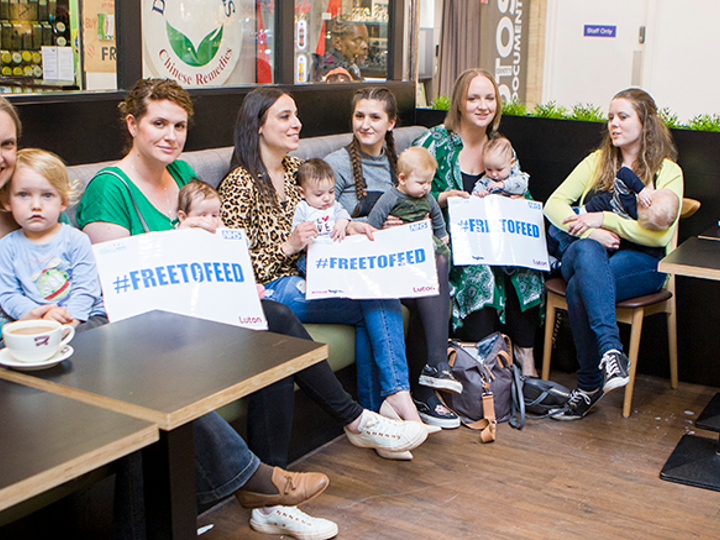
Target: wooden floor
(592, 479)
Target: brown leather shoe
(293, 489)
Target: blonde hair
(414, 158)
(50, 167)
(656, 143)
(459, 98)
(195, 190)
(662, 213)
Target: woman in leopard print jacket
(260, 196)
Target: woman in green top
(512, 295)
(144, 185)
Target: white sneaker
(293, 522)
(377, 431)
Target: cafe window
(61, 45)
(206, 43)
(340, 40)
(38, 45)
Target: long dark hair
(387, 98)
(251, 118)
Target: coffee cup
(36, 341)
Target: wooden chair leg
(635, 333)
(672, 345)
(547, 345)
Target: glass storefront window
(99, 45)
(38, 45)
(58, 45)
(205, 43)
(340, 40)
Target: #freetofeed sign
(498, 231)
(189, 272)
(399, 263)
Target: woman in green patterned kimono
(512, 296)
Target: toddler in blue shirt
(46, 262)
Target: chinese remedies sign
(399, 263)
(189, 272)
(195, 42)
(498, 231)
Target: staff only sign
(399, 263)
(187, 272)
(498, 231)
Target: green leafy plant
(587, 113)
(705, 122)
(514, 108)
(549, 110)
(441, 103)
(186, 51)
(670, 119)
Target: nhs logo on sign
(594, 30)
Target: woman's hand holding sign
(360, 227)
(303, 234)
(198, 222)
(443, 197)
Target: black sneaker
(578, 405)
(440, 378)
(615, 367)
(555, 264)
(433, 412)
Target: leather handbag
(485, 370)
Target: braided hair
(387, 98)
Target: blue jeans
(382, 368)
(596, 281)
(558, 240)
(223, 462)
(301, 264)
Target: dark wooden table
(696, 257)
(696, 460)
(48, 440)
(170, 369)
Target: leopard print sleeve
(266, 224)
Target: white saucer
(7, 360)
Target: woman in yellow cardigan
(614, 258)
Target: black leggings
(427, 337)
(270, 410)
(521, 325)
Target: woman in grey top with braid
(364, 171)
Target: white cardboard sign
(498, 231)
(399, 263)
(189, 272)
